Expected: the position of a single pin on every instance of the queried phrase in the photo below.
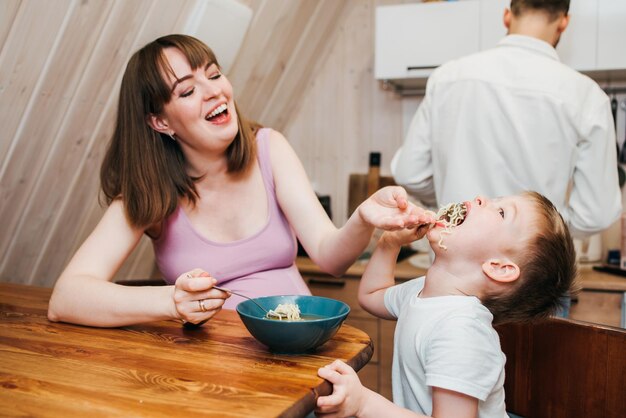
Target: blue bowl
(322, 317)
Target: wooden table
(157, 369)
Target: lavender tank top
(260, 265)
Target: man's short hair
(553, 8)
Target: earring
(172, 136)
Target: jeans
(563, 312)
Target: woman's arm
(84, 293)
(333, 249)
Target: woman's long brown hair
(143, 167)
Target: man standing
(515, 118)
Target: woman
(220, 198)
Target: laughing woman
(222, 199)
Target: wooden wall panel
(51, 142)
(286, 45)
(345, 114)
(150, 20)
(8, 10)
(24, 55)
(307, 55)
(264, 47)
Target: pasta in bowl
(308, 321)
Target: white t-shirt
(447, 342)
(509, 119)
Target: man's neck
(536, 25)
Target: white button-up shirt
(509, 119)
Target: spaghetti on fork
(450, 216)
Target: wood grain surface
(358, 188)
(155, 369)
(562, 368)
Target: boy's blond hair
(547, 269)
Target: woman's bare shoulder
(279, 145)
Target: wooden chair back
(561, 368)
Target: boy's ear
(158, 124)
(501, 270)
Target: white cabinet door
(611, 35)
(492, 28)
(577, 47)
(412, 39)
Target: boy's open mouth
(452, 214)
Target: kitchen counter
(589, 279)
(404, 269)
(596, 280)
(600, 299)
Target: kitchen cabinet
(578, 45)
(611, 34)
(413, 39)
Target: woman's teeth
(221, 108)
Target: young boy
(509, 260)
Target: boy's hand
(425, 220)
(348, 392)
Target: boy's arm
(380, 271)
(448, 403)
(378, 276)
(351, 398)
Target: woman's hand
(195, 299)
(389, 209)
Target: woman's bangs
(198, 54)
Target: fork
(270, 313)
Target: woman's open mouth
(219, 115)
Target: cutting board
(359, 185)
